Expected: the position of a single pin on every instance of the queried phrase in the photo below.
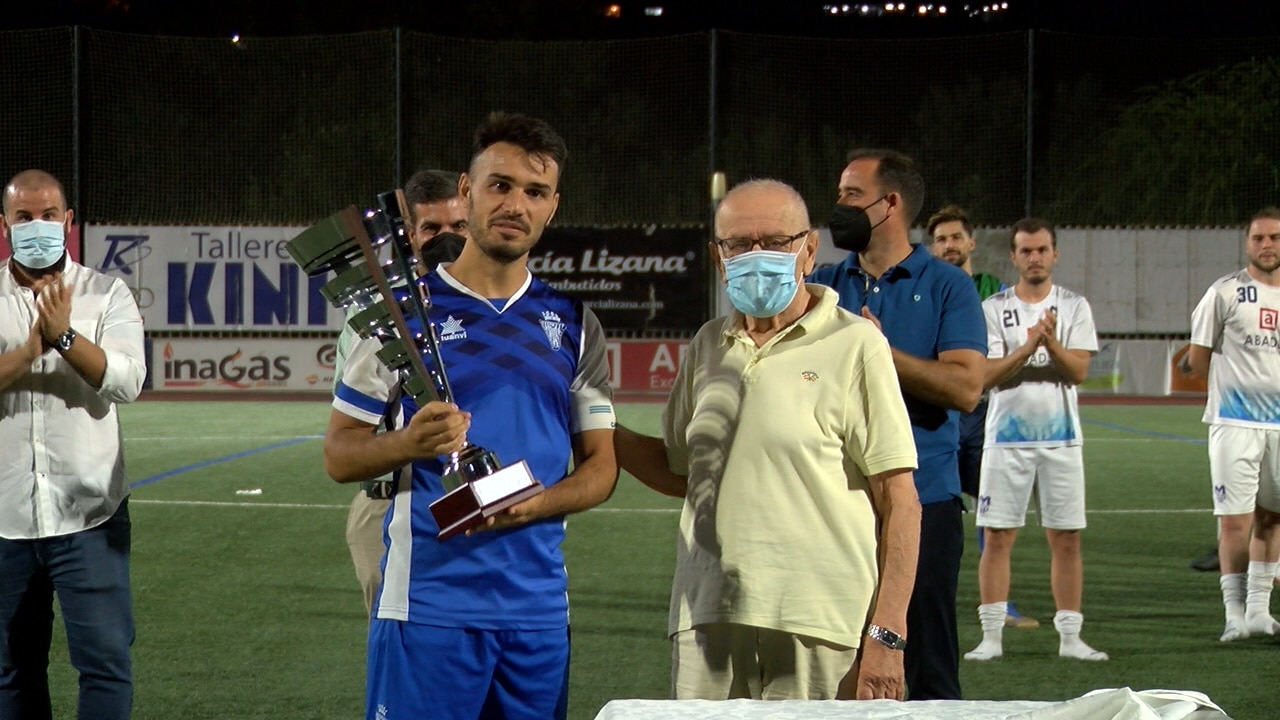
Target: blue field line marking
(1151, 433)
(224, 458)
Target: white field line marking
(1090, 441)
(247, 503)
(158, 438)
(319, 506)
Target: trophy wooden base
(475, 501)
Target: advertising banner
(250, 365)
(637, 280)
(242, 365)
(242, 278)
(1180, 381)
(212, 278)
(1141, 367)
(645, 366)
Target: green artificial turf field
(247, 606)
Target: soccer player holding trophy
(501, 382)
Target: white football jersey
(1237, 319)
(1036, 407)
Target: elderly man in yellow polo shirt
(787, 437)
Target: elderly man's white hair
(795, 203)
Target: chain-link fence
(281, 131)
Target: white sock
(1257, 605)
(1067, 623)
(991, 615)
(1233, 595)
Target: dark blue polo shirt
(925, 307)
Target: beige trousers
(364, 539)
(724, 661)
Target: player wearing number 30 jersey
(1235, 343)
(1237, 320)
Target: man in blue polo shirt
(931, 314)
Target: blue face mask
(761, 283)
(37, 244)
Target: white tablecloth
(1110, 704)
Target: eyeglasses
(776, 243)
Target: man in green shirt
(953, 241)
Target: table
(1106, 704)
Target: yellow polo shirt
(778, 528)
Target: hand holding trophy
(393, 304)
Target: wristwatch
(886, 637)
(63, 343)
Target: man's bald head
(774, 197)
(768, 214)
(32, 181)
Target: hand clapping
(53, 307)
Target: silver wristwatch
(63, 343)
(886, 637)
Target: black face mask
(443, 248)
(851, 227)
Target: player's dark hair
(1271, 212)
(530, 134)
(429, 186)
(1032, 225)
(896, 172)
(950, 213)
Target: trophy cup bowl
(384, 302)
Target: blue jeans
(89, 572)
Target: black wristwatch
(63, 343)
(886, 637)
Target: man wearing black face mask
(930, 313)
(438, 230)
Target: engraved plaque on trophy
(391, 303)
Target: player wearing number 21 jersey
(1040, 338)
(1036, 409)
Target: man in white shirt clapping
(71, 349)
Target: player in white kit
(1235, 344)
(1040, 338)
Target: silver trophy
(389, 301)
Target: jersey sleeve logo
(1267, 318)
(451, 329)
(553, 327)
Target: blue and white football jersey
(532, 372)
(1036, 407)
(1238, 319)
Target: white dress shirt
(61, 459)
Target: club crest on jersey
(1267, 318)
(553, 327)
(451, 329)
